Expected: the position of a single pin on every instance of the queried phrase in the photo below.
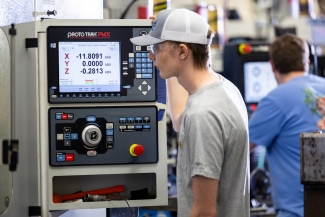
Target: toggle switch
(136, 150)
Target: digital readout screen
(89, 67)
(259, 80)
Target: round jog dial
(91, 136)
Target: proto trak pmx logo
(89, 35)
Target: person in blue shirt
(297, 105)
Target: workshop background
(244, 30)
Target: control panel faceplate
(103, 135)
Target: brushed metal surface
(5, 175)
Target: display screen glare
(259, 80)
(89, 67)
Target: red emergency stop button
(253, 107)
(244, 49)
(136, 150)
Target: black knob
(51, 13)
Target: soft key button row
(131, 128)
(128, 128)
(63, 157)
(137, 120)
(93, 95)
(63, 116)
(109, 135)
(145, 127)
(131, 63)
(130, 120)
(67, 136)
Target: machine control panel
(103, 135)
(99, 64)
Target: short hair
(200, 51)
(289, 53)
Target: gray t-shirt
(213, 142)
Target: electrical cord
(132, 214)
(130, 208)
(127, 9)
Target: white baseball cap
(176, 25)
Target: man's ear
(183, 51)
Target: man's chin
(162, 75)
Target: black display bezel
(84, 92)
(56, 34)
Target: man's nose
(151, 56)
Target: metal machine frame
(35, 180)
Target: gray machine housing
(37, 176)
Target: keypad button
(59, 136)
(109, 125)
(70, 116)
(122, 120)
(69, 157)
(146, 119)
(138, 127)
(64, 116)
(109, 138)
(146, 75)
(74, 136)
(60, 157)
(58, 116)
(66, 129)
(130, 120)
(138, 120)
(67, 142)
(109, 132)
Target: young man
(209, 114)
(290, 109)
